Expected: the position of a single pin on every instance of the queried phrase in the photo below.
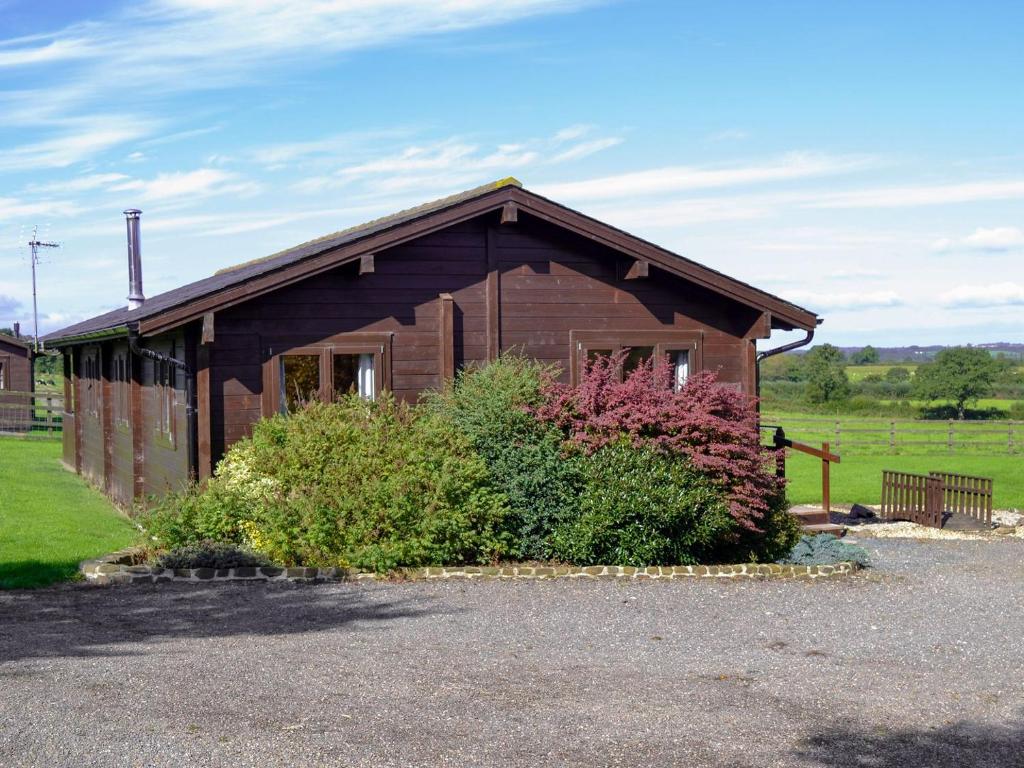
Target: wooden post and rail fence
(912, 435)
(31, 412)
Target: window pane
(300, 380)
(679, 359)
(635, 358)
(593, 354)
(366, 376)
(346, 374)
(354, 374)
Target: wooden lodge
(15, 364)
(158, 390)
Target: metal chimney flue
(135, 296)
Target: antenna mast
(35, 244)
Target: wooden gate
(917, 498)
(966, 494)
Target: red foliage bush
(714, 426)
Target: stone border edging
(116, 568)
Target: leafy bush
(210, 554)
(826, 549)
(643, 507)
(714, 427)
(492, 407)
(369, 484)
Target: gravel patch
(914, 662)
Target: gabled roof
(245, 281)
(23, 343)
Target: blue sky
(862, 159)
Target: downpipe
(777, 351)
(191, 414)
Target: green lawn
(50, 519)
(858, 478)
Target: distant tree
(960, 374)
(7, 331)
(786, 367)
(897, 374)
(866, 356)
(826, 377)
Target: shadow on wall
(79, 620)
(957, 745)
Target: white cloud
(79, 184)
(659, 181)
(201, 183)
(9, 306)
(908, 196)
(847, 300)
(983, 296)
(585, 148)
(13, 208)
(79, 141)
(14, 55)
(991, 240)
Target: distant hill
(916, 354)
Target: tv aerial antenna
(34, 245)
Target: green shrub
(641, 507)
(826, 549)
(492, 407)
(211, 554)
(369, 484)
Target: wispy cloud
(989, 240)
(79, 184)
(848, 300)
(200, 183)
(79, 140)
(984, 296)
(659, 181)
(13, 208)
(933, 194)
(586, 148)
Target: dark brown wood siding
(16, 361)
(120, 484)
(546, 281)
(165, 451)
(90, 414)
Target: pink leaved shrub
(712, 425)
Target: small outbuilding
(15, 364)
(156, 391)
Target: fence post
(949, 437)
(49, 415)
(826, 501)
(839, 442)
(1009, 438)
(892, 435)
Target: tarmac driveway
(917, 662)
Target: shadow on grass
(957, 745)
(28, 574)
(85, 620)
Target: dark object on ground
(860, 512)
(211, 554)
(956, 521)
(826, 549)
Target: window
(90, 383)
(300, 381)
(304, 374)
(3, 379)
(165, 381)
(680, 349)
(121, 389)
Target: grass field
(50, 519)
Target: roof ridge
(404, 214)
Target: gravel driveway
(916, 663)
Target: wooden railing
(31, 412)
(966, 494)
(927, 499)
